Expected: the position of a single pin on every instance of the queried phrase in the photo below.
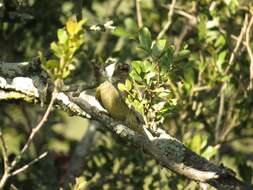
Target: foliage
(70, 39)
(149, 91)
(175, 82)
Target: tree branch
(168, 23)
(168, 151)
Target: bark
(167, 150)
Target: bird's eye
(124, 67)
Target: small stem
(23, 168)
(238, 43)
(220, 113)
(36, 129)
(139, 14)
(224, 85)
(6, 162)
(167, 25)
(249, 50)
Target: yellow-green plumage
(111, 100)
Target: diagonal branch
(168, 151)
(168, 23)
(249, 50)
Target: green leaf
(232, 4)
(130, 24)
(159, 48)
(121, 32)
(128, 85)
(173, 101)
(196, 143)
(220, 42)
(52, 63)
(158, 106)
(66, 73)
(121, 87)
(209, 152)
(42, 58)
(164, 94)
(145, 39)
(138, 106)
(80, 24)
(62, 36)
(189, 74)
(182, 55)
(221, 59)
(136, 77)
(202, 30)
(58, 52)
(147, 66)
(149, 76)
(166, 61)
(137, 66)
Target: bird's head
(117, 72)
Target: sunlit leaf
(121, 32)
(209, 152)
(145, 39)
(128, 85)
(72, 27)
(62, 36)
(202, 30)
(56, 49)
(121, 87)
(196, 143)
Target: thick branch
(168, 151)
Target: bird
(112, 101)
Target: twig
(173, 88)
(36, 129)
(200, 88)
(4, 149)
(192, 18)
(138, 13)
(11, 166)
(179, 40)
(238, 43)
(6, 173)
(232, 36)
(167, 25)
(23, 168)
(224, 85)
(112, 12)
(13, 187)
(226, 131)
(247, 39)
(163, 149)
(220, 113)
